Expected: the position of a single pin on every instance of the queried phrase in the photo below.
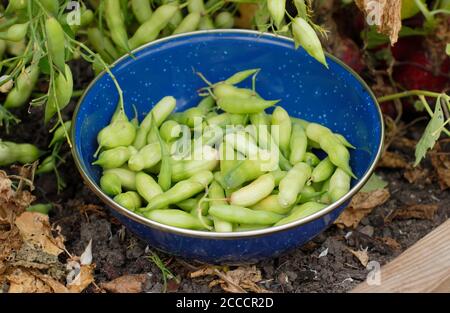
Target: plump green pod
(180, 191)
(176, 218)
(60, 133)
(206, 23)
(127, 177)
(146, 158)
(281, 129)
(277, 10)
(249, 105)
(116, 23)
(271, 204)
(291, 185)
(298, 144)
(16, 5)
(206, 104)
(40, 208)
(121, 132)
(86, 18)
(188, 24)
(311, 159)
(102, 44)
(184, 169)
(217, 197)
(229, 157)
(301, 211)
(323, 170)
(56, 42)
(238, 214)
(46, 166)
(305, 36)
(111, 184)
(52, 6)
(113, 158)
(344, 141)
(141, 10)
(188, 205)
(147, 187)
(254, 192)
(339, 184)
(302, 122)
(160, 112)
(129, 200)
(278, 175)
(196, 6)
(309, 194)
(15, 33)
(170, 130)
(337, 152)
(150, 30)
(23, 87)
(23, 153)
(243, 172)
(224, 20)
(225, 90)
(63, 93)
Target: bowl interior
(334, 97)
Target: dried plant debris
(440, 159)
(361, 255)
(386, 15)
(417, 174)
(241, 279)
(361, 205)
(417, 211)
(30, 247)
(126, 284)
(392, 160)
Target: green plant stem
(408, 93)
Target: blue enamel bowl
(336, 97)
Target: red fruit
(348, 52)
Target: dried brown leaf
(84, 278)
(361, 205)
(392, 160)
(126, 284)
(390, 242)
(361, 255)
(417, 211)
(415, 174)
(204, 271)
(440, 159)
(385, 14)
(35, 229)
(31, 281)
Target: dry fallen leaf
(361, 205)
(126, 284)
(385, 14)
(392, 160)
(415, 174)
(84, 277)
(390, 242)
(31, 281)
(361, 255)
(418, 211)
(35, 229)
(440, 159)
(241, 279)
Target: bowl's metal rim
(226, 235)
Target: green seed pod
(224, 20)
(170, 130)
(40, 208)
(309, 194)
(339, 184)
(188, 24)
(87, 16)
(102, 45)
(238, 77)
(223, 89)
(23, 87)
(47, 166)
(250, 105)
(271, 204)
(113, 158)
(111, 184)
(16, 5)
(15, 32)
(147, 187)
(311, 159)
(305, 36)
(281, 129)
(119, 133)
(206, 23)
(196, 6)
(63, 92)
(141, 10)
(52, 6)
(129, 200)
(175, 218)
(237, 214)
(217, 197)
(55, 42)
(127, 178)
(344, 141)
(298, 144)
(23, 153)
(277, 10)
(116, 23)
(254, 192)
(60, 133)
(146, 158)
(301, 211)
(323, 170)
(187, 168)
(291, 185)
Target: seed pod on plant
(63, 93)
(55, 42)
(23, 86)
(15, 33)
(277, 9)
(305, 36)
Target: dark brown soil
(117, 252)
